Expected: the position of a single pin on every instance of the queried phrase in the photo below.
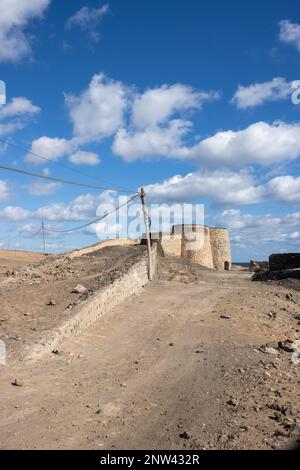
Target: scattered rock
(286, 410)
(79, 289)
(57, 352)
(295, 359)
(184, 435)
(233, 402)
(270, 350)
(288, 346)
(279, 433)
(17, 383)
(272, 315)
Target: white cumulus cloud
(18, 106)
(260, 143)
(16, 114)
(14, 18)
(14, 213)
(4, 190)
(158, 122)
(157, 105)
(151, 142)
(258, 230)
(88, 20)
(84, 158)
(49, 148)
(98, 111)
(225, 187)
(258, 93)
(37, 188)
(284, 189)
(83, 207)
(290, 33)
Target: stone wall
(220, 247)
(196, 245)
(210, 248)
(171, 244)
(103, 301)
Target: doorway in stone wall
(226, 265)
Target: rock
(287, 345)
(286, 410)
(225, 317)
(233, 402)
(289, 297)
(199, 351)
(51, 302)
(279, 433)
(184, 435)
(270, 350)
(57, 352)
(272, 315)
(171, 344)
(295, 359)
(79, 289)
(17, 383)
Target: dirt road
(175, 367)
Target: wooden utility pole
(146, 220)
(43, 235)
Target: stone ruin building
(207, 246)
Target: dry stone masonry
(209, 247)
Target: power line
(67, 167)
(34, 234)
(96, 220)
(60, 180)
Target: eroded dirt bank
(39, 295)
(179, 366)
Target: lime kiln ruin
(204, 245)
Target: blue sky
(191, 99)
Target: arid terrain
(36, 297)
(191, 362)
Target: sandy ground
(10, 259)
(176, 367)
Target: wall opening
(226, 265)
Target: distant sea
(245, 265)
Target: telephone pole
(146, 221)
(43, 235)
